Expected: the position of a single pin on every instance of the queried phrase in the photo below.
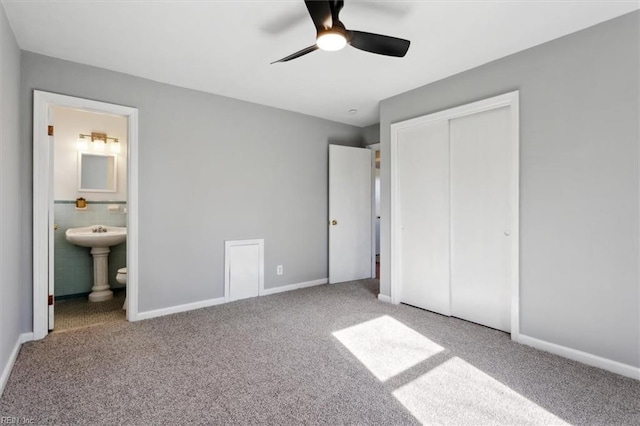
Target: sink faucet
(99, 229)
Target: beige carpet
(331, 355)
(78, 313)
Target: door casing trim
(373, 147)
(42, 157)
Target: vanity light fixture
(115, 146)
(82, 144)
(99, 142)
(98, 145)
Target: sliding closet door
(480, 256)
(423, 190)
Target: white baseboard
(220, 300)
(583, 357)
(268, 291)
(6, 371)
(180, 308)
(383, 298)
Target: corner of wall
(13, 201)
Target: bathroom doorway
(375, 209)
(108, 197)
(90, 193)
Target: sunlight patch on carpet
(457, 391)
(386, 346)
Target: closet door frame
(510, 100)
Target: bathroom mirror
(96, 172)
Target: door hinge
(50, 130)
(50, 299)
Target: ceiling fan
(332, 34)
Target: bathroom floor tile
(77, 313)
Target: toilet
(121, 278)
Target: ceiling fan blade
(377, 43)
(321, 15)
(297, 54)
(336, 7)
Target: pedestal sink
(99, 238)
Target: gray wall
(371, 134)
(578, 180)
(12, 272)
(210, 169)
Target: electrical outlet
(279, 270)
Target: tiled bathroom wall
(73, 265)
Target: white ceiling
(226, 47)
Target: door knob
(334, 222)
(507, 233)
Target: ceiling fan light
(331, 41)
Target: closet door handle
(507, 233)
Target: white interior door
(51, 225)
(350, 203)
(480, 228)
(423, 190)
